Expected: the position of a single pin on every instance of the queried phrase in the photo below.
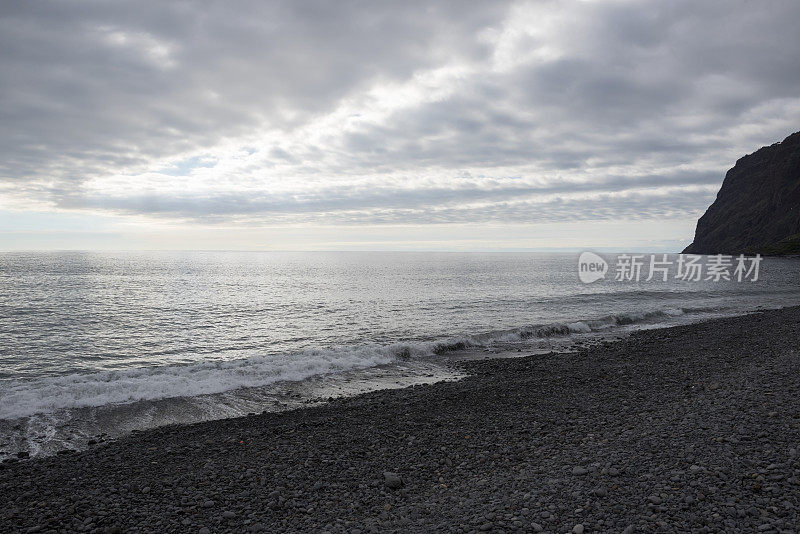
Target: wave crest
(20, 398)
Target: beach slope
(687, 429)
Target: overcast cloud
(349, 112)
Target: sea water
(97, 344)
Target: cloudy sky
(383, 125)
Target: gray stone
(392, 480)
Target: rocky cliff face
(758, 207)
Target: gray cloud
(550, 117)
(90, 87)
(368, 205)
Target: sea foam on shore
(42, 416)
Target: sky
(369, 125)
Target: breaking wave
(584, 326)
(22, 398)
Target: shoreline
(80, 421)
(684, 428)
(72, 418)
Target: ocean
(94, 345)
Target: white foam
(579, 327)
(45, 395)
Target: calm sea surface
(106, 342)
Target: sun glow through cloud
(404, 117)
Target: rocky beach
(687, 429)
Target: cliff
(757, 208)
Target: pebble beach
(693, 428)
